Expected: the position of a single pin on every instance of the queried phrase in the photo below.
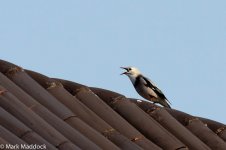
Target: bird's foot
(139, 101)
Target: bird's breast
(146, 92)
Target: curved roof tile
(36, 109)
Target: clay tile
(93, 118)
(93, 102)
(10, 137)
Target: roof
(36, 109)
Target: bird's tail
(164, 103)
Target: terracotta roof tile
(41, 95)
(216, 127)
(9, 137)
(193, 124)
(81, 117)
(11, 104)
(57, 90)
(143, 122)
(87, 97)
(21, 130)
(4, 142)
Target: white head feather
(132, 73)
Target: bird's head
(131, 71)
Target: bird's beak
(125, 71)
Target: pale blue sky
(180, 45)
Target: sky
(180, 45)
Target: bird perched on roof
(145, 87)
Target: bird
(145, 87)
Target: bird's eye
(129, 69)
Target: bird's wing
(151, 85)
